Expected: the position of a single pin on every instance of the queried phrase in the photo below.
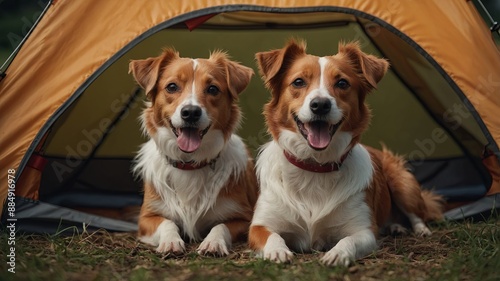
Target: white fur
(298, 146)
(178, 122)
(276, 249)
(191, 99)
(190, 198)
(194, 101)
(195, 64)
(307, 210)
(351, 247)
(322, 65)
(335, 114)
(217, 241)
(166, 237)
(316, 210)
(418, 225)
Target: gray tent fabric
(37, 216)
(478, 210)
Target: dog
(320, 189)
(199, 178)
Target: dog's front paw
(336, 257)
(276, 250)
(213, 247)
(421, 230)
(217, 242)
(166, 238)
(171, 245)
(397, 230)
(278, 255)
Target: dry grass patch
(456, 251)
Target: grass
(455, 251)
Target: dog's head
(315, 98)
(191, 98)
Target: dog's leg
(217, 242)
(161, 232)
(155, 229)
(350, 248)
(221, 236)
(276, 249)
(418, 225)
(411, 204)
(409, 201)
(407, 193)
(270, 245)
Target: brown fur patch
(393, 186)
(395, 191)
(149, 220)
(279, 68)
(258, 237)
(230, 78)
(243, 191)
(154, 74)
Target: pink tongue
(318, 134)
(189, 139)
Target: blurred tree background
(18, 16)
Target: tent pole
(495, 27)
(6, 64)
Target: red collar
(313, 166)
(191, 165)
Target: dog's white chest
(306, 205)
(187, 196)
(191, 198)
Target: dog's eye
(212, 90)
(172, 88)
(299, 83)
(342, 84)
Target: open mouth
(189, 137)
(318, 133)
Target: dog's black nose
(320, 106)
(191, 113)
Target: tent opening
(418, 111)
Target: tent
(69, 128)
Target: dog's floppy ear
(371, 67)
(237, 76)
(272, 62)
(146, 72)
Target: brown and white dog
(320, 188)
(199, 180)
